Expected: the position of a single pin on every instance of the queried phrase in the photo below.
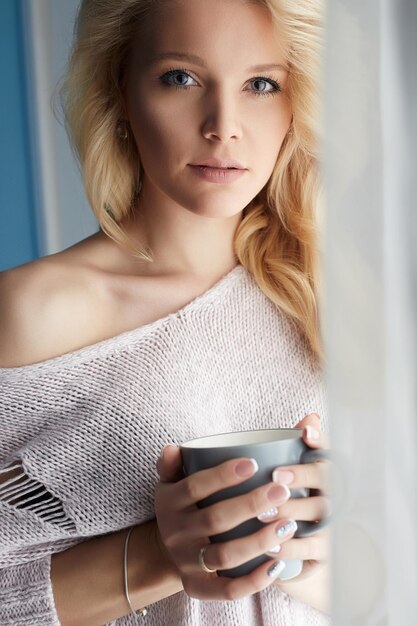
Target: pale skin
(221, 111)
(95, 290)
(184, 529)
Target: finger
(315, 438)
(233, 553)
(228, 514)
(316, 547)
(312, 418)
(306, 509)
(204, 483)
(169, 464)
(309, 475)
(310, 568)
(233, 588)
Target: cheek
(159, 131)
(163, 133)
(270, 133)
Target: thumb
(312, 419)
(169, 464)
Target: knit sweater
(84, 430)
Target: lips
(220, 175)
(222, 164)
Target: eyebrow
(193, 58)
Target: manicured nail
(283, 477)
(278, 493)
(245, 468)
(275, 549)
(312, 433)
(276, 569)
(288, 528)
(272, 512)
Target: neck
(183, 243)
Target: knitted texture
(80, 435)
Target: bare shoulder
(47, 308)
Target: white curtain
(370, 313)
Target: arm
(87, 580)
(82, 585)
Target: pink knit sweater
(85, 430)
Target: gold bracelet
(141, 612)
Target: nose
(221, 121)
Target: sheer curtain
(370, 312)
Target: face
(185, 110)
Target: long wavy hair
(277, 240)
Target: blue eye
(174, 73)
(276, 87)
(165, 78)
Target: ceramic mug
(271, 448)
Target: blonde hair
(276, 241)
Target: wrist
(160, 548)
(152, 575)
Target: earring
(121, 129)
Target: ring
(201, 561)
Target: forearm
(314, 590)
(88, 583)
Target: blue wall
(18, 236)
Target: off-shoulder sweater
(84, 430)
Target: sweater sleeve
(26, 597)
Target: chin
(217, 206)
(217, 212)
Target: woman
(192, 311)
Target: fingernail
(276, 569)
(288, 528)
(272, 512)
(278, 492)
(168, 445)
(275, 549)
(246, 468)
(284, 477)
(312, 433)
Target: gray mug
(271, 449)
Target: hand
(315, 549)
(184, 528)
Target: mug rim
(191, 443)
